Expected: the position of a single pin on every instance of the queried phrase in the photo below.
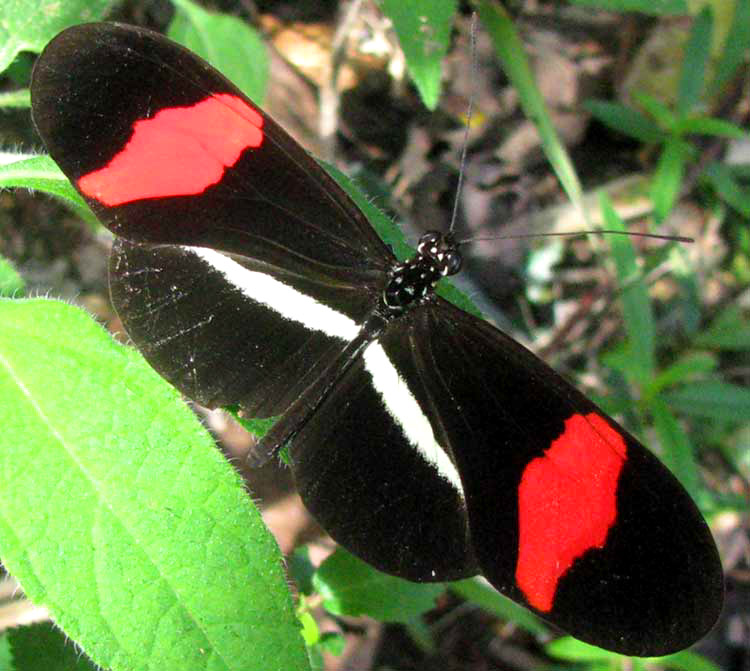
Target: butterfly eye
(452, 260)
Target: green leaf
(478, 591)
(43, 646)
(657, 109)
(20, 99)
(728, 188)
(688, 661)
(667, 180)
(6, 657)
(512, 55)
(690, 365)
(11, 283)
(735, 47)
(711, 400)
(729, 331)
(42, 174)
(653, 7)
(27, 25)
(131, 528)
(693, 71)
(424, 29)
(625, 120)
(677, 451)
(351, 587)
(573, 650)
(709, 126)
(228, 43)
(636, 304)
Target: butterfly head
(412, 282)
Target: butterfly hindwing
(226, 331)
(568, 513)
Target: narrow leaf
(693, 71)
(625, 120)
(423, 28)
(653, 7)
(636, 304)
(708, 126)
(665, 186)
(729, 189)
(657, 109)
(677, 451)
(729, 331)
(692, 365)
(712, 400)
(735, 47)
(512, 55)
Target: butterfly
(423, 439)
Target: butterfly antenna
(470, 109)
(594, 231)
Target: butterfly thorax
(412, 281)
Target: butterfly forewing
(423, 439)
(165, 149)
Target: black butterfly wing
(165, 149)
(566, 512)
(178, 162)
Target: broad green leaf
(478, 591)
(44, 647)
(729, 331)
(708, 126)
(15, 99)
(667, 179)
(728, 188)
(697, 52)
(654, 7)
(510, 51)
(711, 400)
(11, 283)
(228, 43)
(625, 120)
(130, 527)
(42, 174)
(351, 587)
(735, 46)
(636, 304)
(424, 29)
(677, 451)
(27, 25)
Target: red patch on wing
(567, 502)
(180, 151)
